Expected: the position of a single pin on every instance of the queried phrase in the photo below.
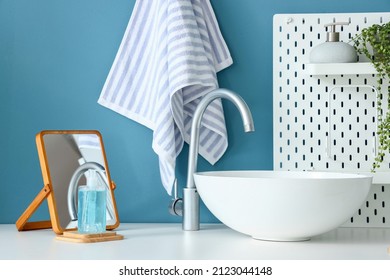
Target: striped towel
(167, 61)
(87, 141)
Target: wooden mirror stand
(61, 154)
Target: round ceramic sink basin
(282, 205)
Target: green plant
(374, 43)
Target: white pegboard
(326, 122)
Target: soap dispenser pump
(333, 51)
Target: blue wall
(54, 59)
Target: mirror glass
(66, 157)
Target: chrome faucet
(189, 206)
(72, 190)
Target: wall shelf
(362, 68)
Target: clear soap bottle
(92, 205)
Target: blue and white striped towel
(87, 141)
(167, 61)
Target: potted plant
(374, 43)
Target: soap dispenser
(333, 51)
(92, 205)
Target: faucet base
(190, 209)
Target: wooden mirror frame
(47, 192)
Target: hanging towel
(87, 141)
(167, 61)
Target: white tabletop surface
(212, 242)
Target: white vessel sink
(282, 205)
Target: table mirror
(65, 157)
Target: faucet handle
(175, 189)
(175, 207)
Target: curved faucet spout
(197, 118)
(191, 197)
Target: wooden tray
(74, 236)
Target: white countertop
(213, 241)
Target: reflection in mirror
(69, 156)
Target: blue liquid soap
(92, 208)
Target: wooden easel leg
(22, 224)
